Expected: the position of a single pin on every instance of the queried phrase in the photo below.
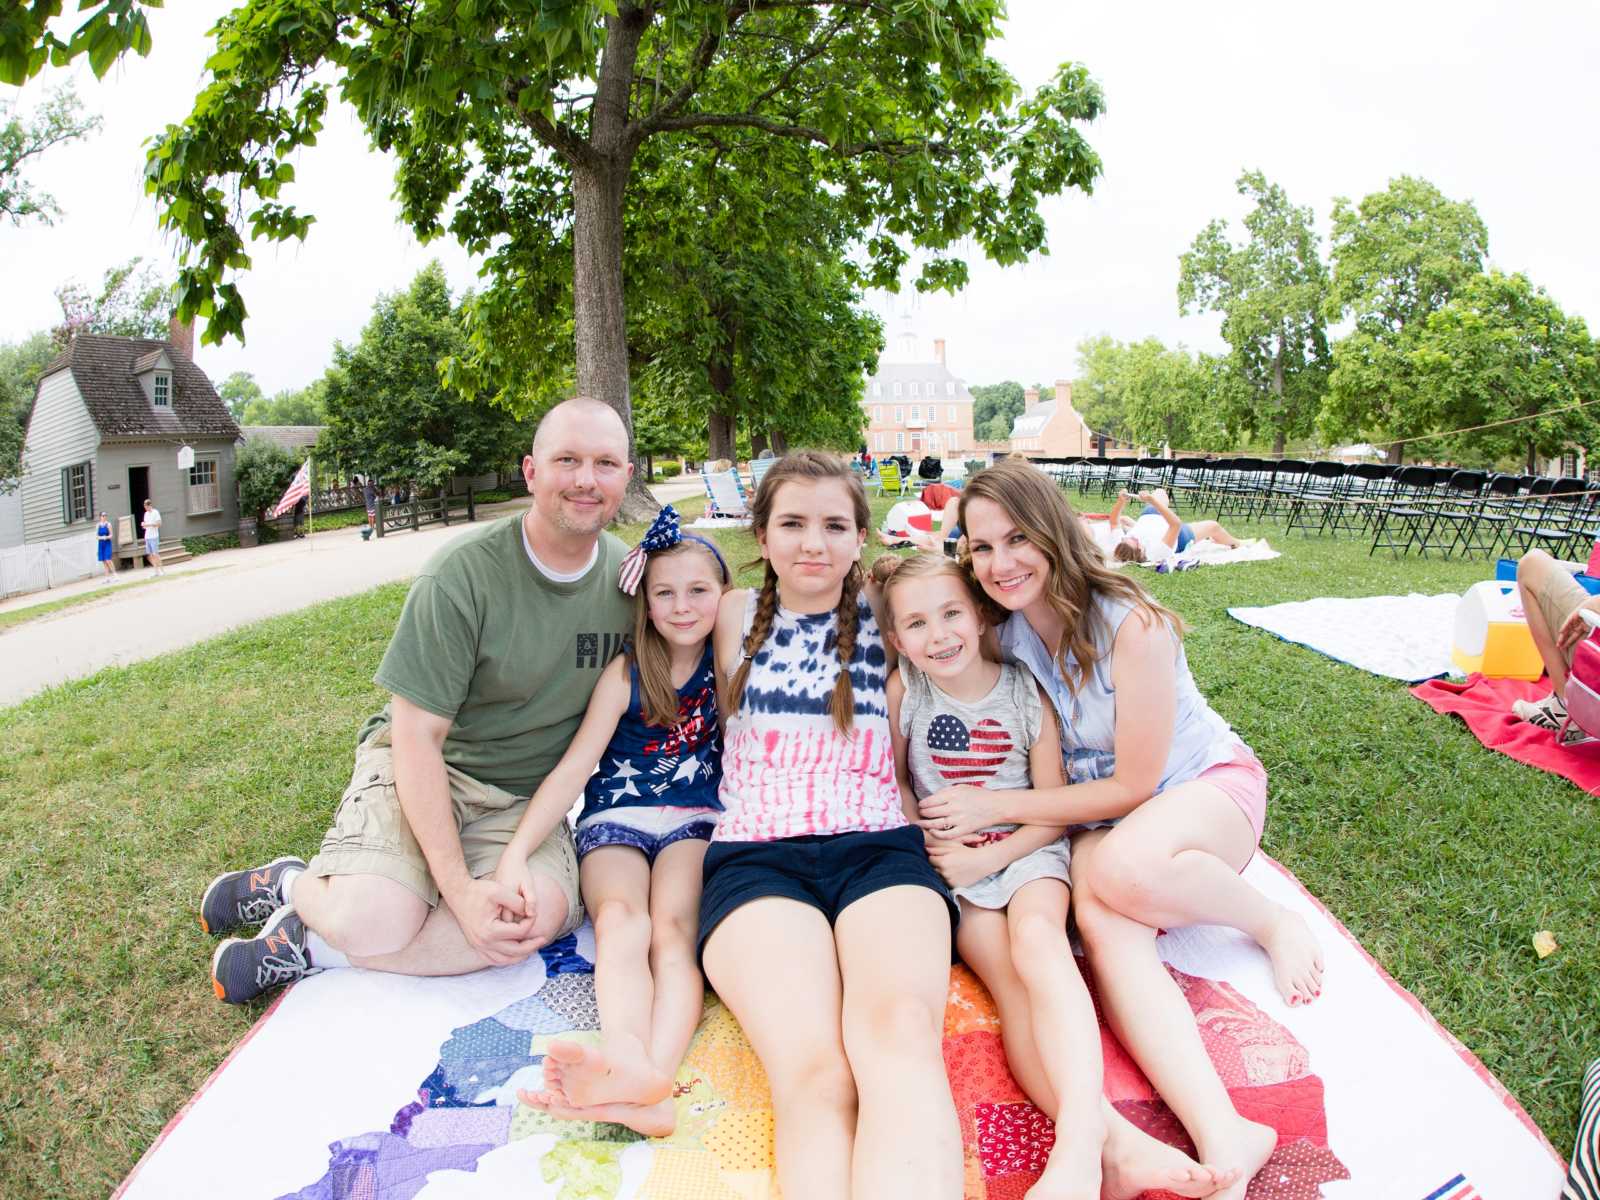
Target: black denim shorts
(830, 872)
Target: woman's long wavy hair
(809, 466)
(649, 650)
(1077, 567)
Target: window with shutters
(204, 494)
(77, 492)
(899, 441)
(163, 390)
(952, 414)
(899, 415)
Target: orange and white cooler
(1492, 635)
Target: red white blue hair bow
(663, 532)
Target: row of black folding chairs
(1440, 509)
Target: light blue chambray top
(1088, 720)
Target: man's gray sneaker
(244, 968)
(246, 897)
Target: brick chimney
(181, 335)
(1030, 399)
(1063, 394)
(938, 351)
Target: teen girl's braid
(760, 627)
(847, 624)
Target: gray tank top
(984, 744)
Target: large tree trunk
(1280, 417)
(598, 183)
(758, 442)
(722, 431)
(720, 441)
(780, 442)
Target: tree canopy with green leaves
(134, 301)
(1398, 257)
(1271, 290)
(995, 408)
(517, 126)
(390, 416)
(1168, 398)
(59, 119)
(1502, 349)
(21, 364)
(1097, 393)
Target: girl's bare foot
(652, 1120)
(1134, 1162)
(1296, 958)
(1073, 1172)
(618, 1071)
(1245, 1145)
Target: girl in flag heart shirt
(961, 718)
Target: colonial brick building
(1054, 429)
(917, 407)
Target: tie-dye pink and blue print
(787, 771)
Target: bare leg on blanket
(1142, 1002)
(646, 982)
(894, 961)
(1214, 531)
(1131, 1160)
(773, 963)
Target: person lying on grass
(958, 716)
(1158, 533)
(647, 816)
(1167, 801)
(1554, 603)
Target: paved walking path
(210, 595)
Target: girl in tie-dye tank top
(823, 927)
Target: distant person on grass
(152, 535)
(1158, 533)
(1552, 601)
(503, 636)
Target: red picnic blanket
(1485, 705)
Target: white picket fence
(38, 565)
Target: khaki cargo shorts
(370, 834)
(1558, 601)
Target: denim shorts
(1185, 537)
(649, 829)
(829, 872)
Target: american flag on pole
(298, 490)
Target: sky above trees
(1325, 104)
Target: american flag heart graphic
(964, 755)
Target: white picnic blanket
(1400, 637)
(1203, 552)
(366, 1085)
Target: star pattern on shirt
(623, 772)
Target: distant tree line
(1430, 342)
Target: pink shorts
(1245, 782)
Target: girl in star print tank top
(960, 718)
(823, 927)
(652, 741)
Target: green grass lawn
(121, 795)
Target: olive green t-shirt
(509, 655)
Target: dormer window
(162, 395)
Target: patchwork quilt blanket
(368, 1086)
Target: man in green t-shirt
(503, 635)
